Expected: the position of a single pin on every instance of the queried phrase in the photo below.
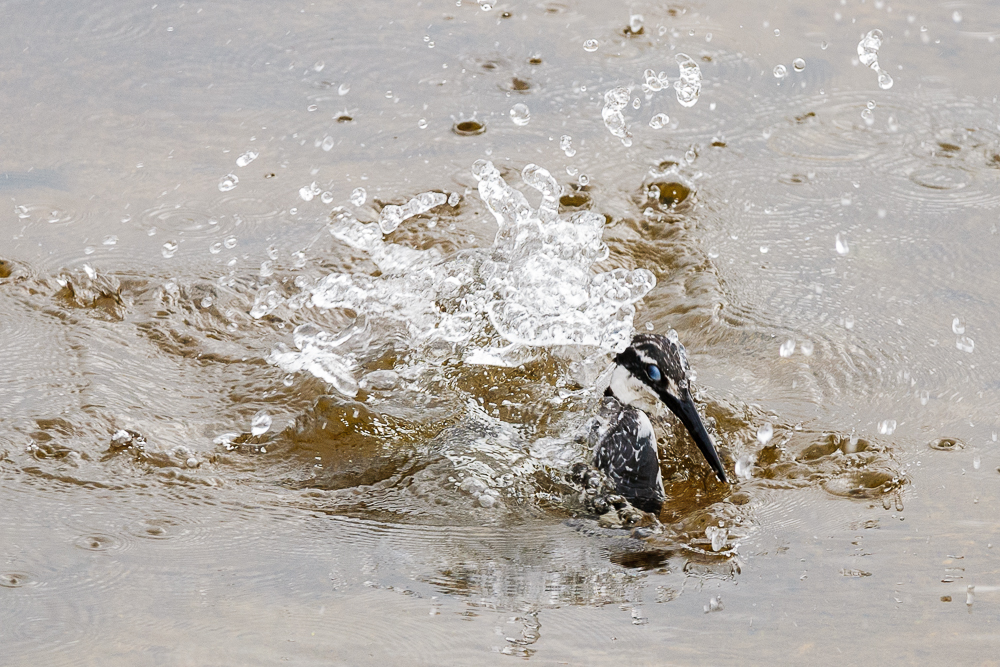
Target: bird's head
(654, 368)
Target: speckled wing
(626, 452)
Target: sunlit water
(304, 307)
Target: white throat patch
(630, 390)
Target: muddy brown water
(832, 275)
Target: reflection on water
(276, 357)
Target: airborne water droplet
(228, 182)
(780, 72)
(965, 344)
(359, 196)
(260, 423)
(246, 158)
(841, 245)
(787, 348)
(659, 121)
(520, 114)
(799, 64)
(688, 86)
(958, 325)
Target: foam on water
(534, 287)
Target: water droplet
(169, 248)
(453, 199)
(659, 121)
(615, 100)
(717, 535)
(110, 240)
(976, 462)
(328, 143)
(868, 48)
(215, 248)
(228, 182)
(359, 196)
(307, 192)
(260, 423)
(566, 144)
(871, 104)
(326, 197)
(207, 302)
(635, 23)
(230, 242)
(824, 45)
(841, 245)
(925, 396)
(688, 87)
(764, 249)
(780, 72)
(246, 158)
(956, 16)
(343, 89)
(799, 64)
(849, 321)
(965, 344)
(591, 45)
(884, 80)
(868, 116)
(958, 325)
(764, 433)
(787, 348)
(887, 427)
(807, 348)
(520, 114)
(266, 268)
(422, 123)
(583, 180)
(486, 5)
(318, 67)
(744, 466)
(312, 107)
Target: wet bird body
(653, 369)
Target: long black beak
(688, 413)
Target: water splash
(688, 86)
(391, 216)
(615, 100)
(534, 287)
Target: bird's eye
(653, 372)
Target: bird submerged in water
(652, 369)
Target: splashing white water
(534, 287)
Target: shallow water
(186, 481)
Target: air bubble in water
(958, 325)
(520, 114)
(688, 87)
(169, 248)
(965, 344)
(887, 427)
(787, 348)
(359, 196)
(841, 245)
(590, 45)
(659, 121)
(798, 64)
(228, 182)
(764, 433)
(246, 158)
(566, 144)
(780, 72)
(260, 423)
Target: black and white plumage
(653, 369)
